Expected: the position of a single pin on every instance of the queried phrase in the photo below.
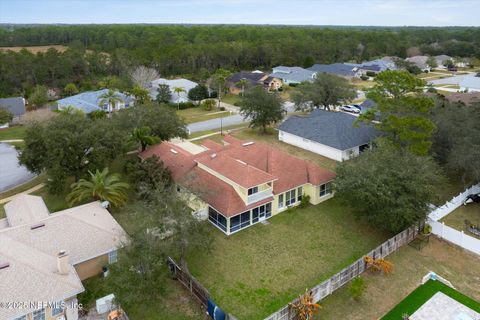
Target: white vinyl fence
(450, 234)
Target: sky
(289, 12)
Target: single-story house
(293, 75)
(44, 257)
(339, 69)
(15, 105)
(89, 101)
(331, 134)
(441, 59)
(253, 79)
(386, 63)
(420, 62)
(240, 183)
(185, 84)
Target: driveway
(11, 173)
(215, 123)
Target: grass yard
(422, 294)
(197, 114)
(409, 266)
(15, 132)
(231, 98)
(456, 219)
(362, 84)
(271, 138)
(176, 304)
(260, 269)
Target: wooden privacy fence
(189, 282)
(354, 270)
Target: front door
(261, 213)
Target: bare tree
(142, 76)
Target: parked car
(357, 106)
(454, 69)
(472, 198)
(351, 109)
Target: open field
(35, 49)
(456, 219)
(260, 269)
(422, 294)
(409, 266)
(197, 114)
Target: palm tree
(101, 186)
(111, 98)
(177, 91)
(143, 135)
(242, 83)
(71, 110)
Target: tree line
(197, 51)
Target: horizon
(321, 13)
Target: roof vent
(173, 151)
(213, 155)
(4, 265)
(37, 225)
(246, 144)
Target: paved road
(215, 123)
(11, 173)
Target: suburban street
(215, 123)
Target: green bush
(305, 201)
(370, 74)
(363, 77)
(357, 288)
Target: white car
(351, 109)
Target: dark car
(472, 198)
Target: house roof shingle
(334, 129)
(15, 105)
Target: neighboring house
(241, 183)
(386, 63)
(441, 59)
(420, 62)
(339, 69)
(187, 85)
(467, 83)
(44, 257)
(331, 134)
(293, 75)
(15, 105)
(89, 101)
(253, 79)
(465, 98)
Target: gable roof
(340, 69)
(334, 129)
(251, 76)
(186, 84)
(84, 232)
(419, 61)
(246, 164)
(15, 105)
(89, 101)
(292, 74)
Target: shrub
(213, 94)
(370, 74)
(357, 288)
(222, 108)
(5, 116)
(427, 229)
(209, 104)
(293, 85)
(363, 77)
(305, 201)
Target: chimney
(62, 262)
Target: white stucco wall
(318, 148)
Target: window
(217, 219)
(299, 193)
(240, 221)
(112, 256)
(57, 307)
(255, 215)
(325, 189)
(252, 191)
(280, 201)
(290, 197)
(268, 209)
(39, 314)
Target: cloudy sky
(304, 12)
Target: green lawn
(231, 98)
(422, 294)
(176, 304)
(260, 269)
(197, 114)
(456, 219)
(15, 132)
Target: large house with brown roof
(240, 183)
(44, 257)
(253, 79)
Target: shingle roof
(334, 129)
(89, 101)
(292, 74)
(186, 84)
(25, 209)
(340, 69)
(252, 76)
(15, 105)
(84, 232)
(247, 164)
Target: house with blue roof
(90, 101)
(338, 69)
(293, 75)
(334, 135)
